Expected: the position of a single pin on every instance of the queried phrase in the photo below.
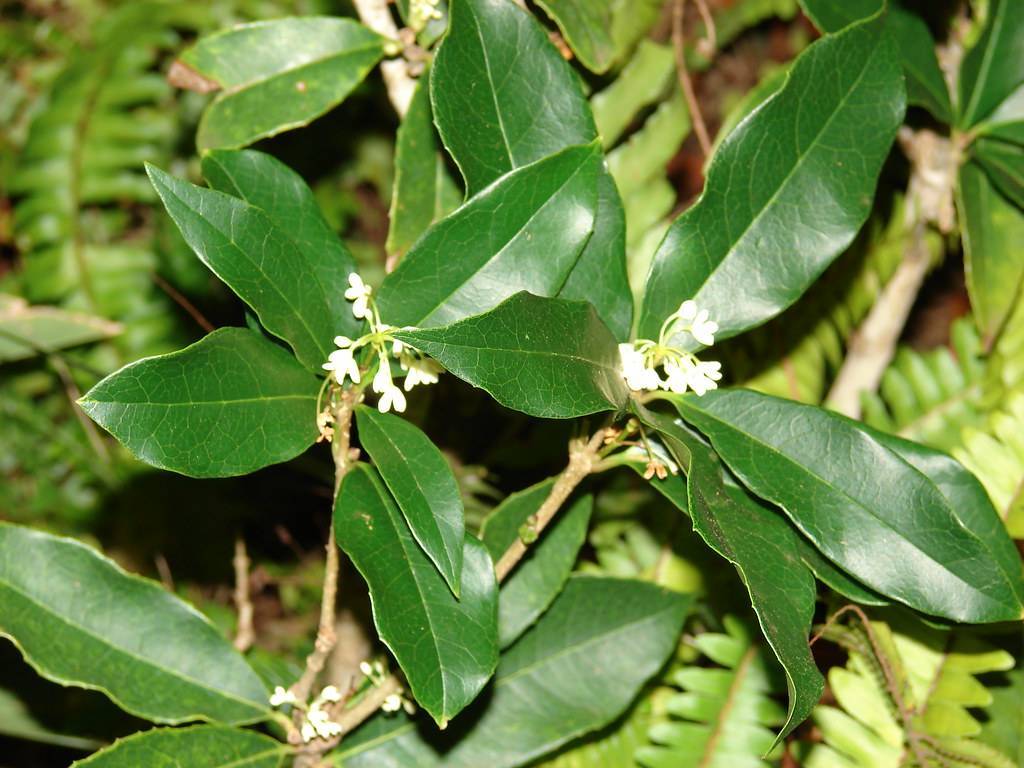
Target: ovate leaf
(422, 483)
(815, 147)
(993, 229)
(545, 357)
(543, 571)
(201, 746)
(572, 673)
(227, 405)
(81, 620)
(766, 553)
(854, 497)
(277, 75)
(446, 647)
(994, 67)
(523, 233)
(27, 331)
(276, 190)
(498, 64)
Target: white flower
(343, 363)
(635, 371)
(321, 723)
(687, 310)
(419, 371)
(678, 372)
(308, 731)
(358, 292)
(703, 329)
(392, 703)
(330, 693)
(366, 668)
(392, 400)
(704, 375)
(281, 696)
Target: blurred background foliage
(93, 275)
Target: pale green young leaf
(277, 75)
(447, 647)
(994, 67)
(80, 620)
(229, 404)
(1007, 121)
(27, 331)
(422, 483)
(549, 358)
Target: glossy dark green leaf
(27, 331)
(498, 64)
(261, 262)
(281, 194)
(764, 550)
(834, 15)
(81, 620)
(926, 86)
(586, 27)
(423, 192)
(994, 68)
(227, 405)
(1007, 122)
(545, 357)
(422, 483)
(835, 579)
(1004, 163)
(572, 673)
(524, 233)
(277, 75)
(855, 497)
(993, 229)
(966, 496)
(543, 571)
(447, 647)
(815, 147)
(201, 746)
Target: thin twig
(582, 461)
(679, 47)
(71, 389)
(325, 637)
(245, 635)
(582, 457)
(376, 15)
(178, 298)
(162, 568)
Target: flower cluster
(343, 362)
(317, 722)
(681, 370)
(393, 702)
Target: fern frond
(994, 452)
(107, 113)
(905, 699)
(929, 397)
(721, 715)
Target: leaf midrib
(249, 84)
(195, 403)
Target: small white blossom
(342, 363)
(636, 372)
(392, 703)
(366, 668)
(359, 293)
(331, 694)
(308, 731)
(704, 376)
(703, 329)
(391, 397)
(321, 722)
(419, 371)
(281, 696)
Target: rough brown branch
(342, 404)
(245, 635)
